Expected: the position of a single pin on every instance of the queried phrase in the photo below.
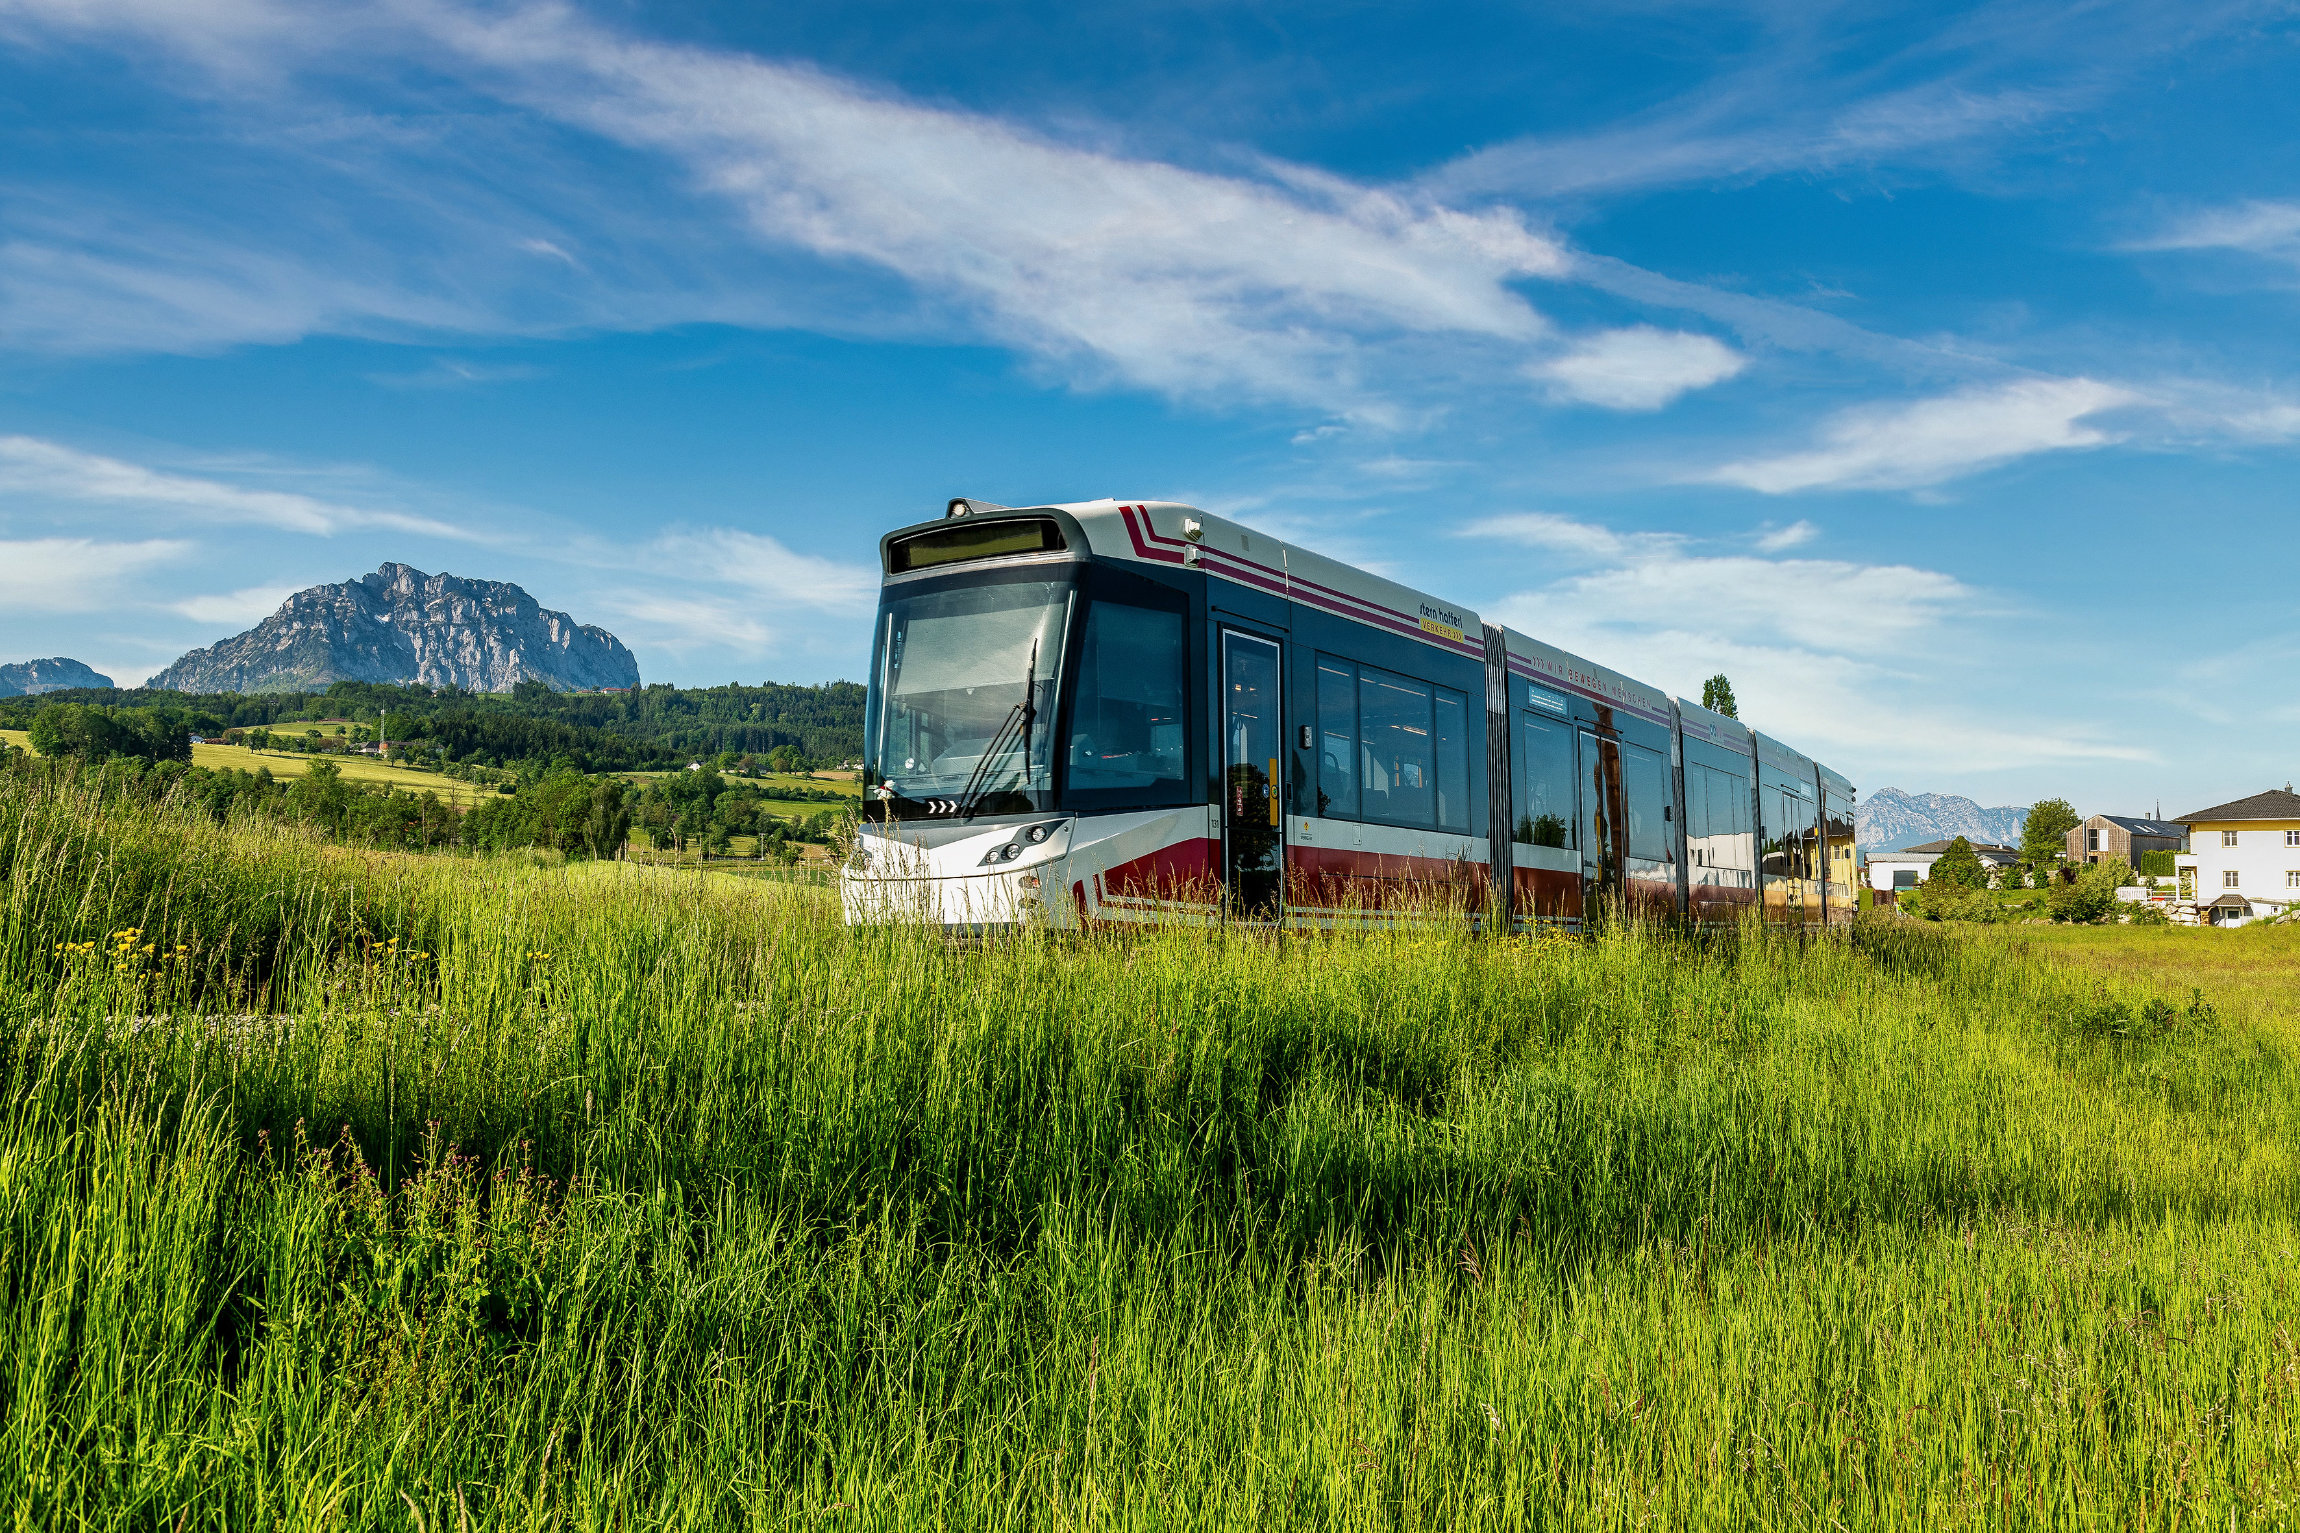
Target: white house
(1912, 865)
(2243, 859)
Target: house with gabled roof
(2243, 860)
(1891, 872)
(2108, 837)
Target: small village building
(1912, 865)
(2243, 861)
(2108, 837)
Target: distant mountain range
(1889, 819)
(28, 677)
(401, 625)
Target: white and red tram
(1116, 711)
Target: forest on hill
(532, 725)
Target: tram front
(1027, 704)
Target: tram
(1129, 711)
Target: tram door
(1253, 737)
(1604, 820)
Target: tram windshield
(965, 680)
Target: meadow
(363, 1190)
(283, 764)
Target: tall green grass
(440, 1193)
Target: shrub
(1935, 900)
(2091, 896)
(1959, 865)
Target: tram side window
(1452, 761)
(1717, 817)
(1788, 835)
(1645, 783)
(1545, 814)
(1127, 711)
(1391, 749)
(1400, 769)
(1337, 739)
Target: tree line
(810, 726)
(562, 810)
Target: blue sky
(1929, 371)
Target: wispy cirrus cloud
(2263, 228)
(77, 574)
(768, 567)
(1277, 285)
(33, 466)
(1742, 128)
(1906, 446)
(240, 608)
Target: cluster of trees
(784, 728)
(93, 733)
(705, 811)
(564, 811)
(810, 726)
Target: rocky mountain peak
(403, 625)
(26, 678)
(1889, 818)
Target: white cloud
(1562, 534)
(749, 597)
(1640, 368)
(1855, 663)
(1280, 284)
(2260, 228)
(766, 567)
(31, 466)
(75, 574)
(1178, 279)
(453, 373)
(239, 608)
(1905, 446)
(1776, 540)
(1746, 129)
(694, 621)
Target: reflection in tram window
(1645, 783)
(1717, 825)
(1394, 714)
(1452, 762)
(1545, 782)
(1790, 849)
(1337, 738)
(1126, 720)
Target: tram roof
(1157, 532)
(1716, 728)
(1554, 667)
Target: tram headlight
(1024, 839)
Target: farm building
(2108, 837)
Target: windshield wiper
(1016, 723)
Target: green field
(366, 1190)
(294, 764)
